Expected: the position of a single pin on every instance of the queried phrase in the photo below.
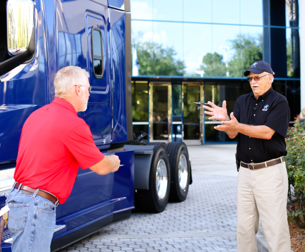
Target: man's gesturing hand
(217, 113)
(231, 125)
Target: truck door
(91, 189)
(98, 114)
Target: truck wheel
(180, 171)
(155, 199)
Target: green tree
(290, 71)
(213, 65)
(248, 49)
(20, 36)
(11, 30)
(155, 60)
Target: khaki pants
(262, 194)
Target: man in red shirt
(54, 142)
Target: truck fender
(142, 162)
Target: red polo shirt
(54, 142)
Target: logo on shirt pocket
(265, 108)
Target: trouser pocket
(17, 216)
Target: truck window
(97, 53)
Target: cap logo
(254, 64)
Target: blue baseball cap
(259, 67)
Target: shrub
(295, 161)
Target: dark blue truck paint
(65, 33)
(62, 37)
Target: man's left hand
(231, 125)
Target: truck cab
(41, 37)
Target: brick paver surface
(205, 221)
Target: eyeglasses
(89, 87)
(256, 78)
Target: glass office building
(186, 51)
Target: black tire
(180, 171)
(155, 199)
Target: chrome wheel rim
(182, 172)
(161, 179)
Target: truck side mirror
(20, 23)
(20, 34)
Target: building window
(139, 90)
(191, 114)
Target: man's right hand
(116, 162)
(216, 112)
(109, 164)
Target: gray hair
(67, 77)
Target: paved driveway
(205, 221)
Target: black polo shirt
(270, 109)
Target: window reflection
(279, 86)
(292, 39)
(139, 102)
(97, 42)
(159, 53)
(205, 50)
(197, 11)
(139, 92)
(142, 31)
(196, 36)
(226, 33)
(290, 71)
(168, 10)
(191, 115)
(217, 93)
(248, 49)
(215, 136)
(142, 9)
(20, 23)
(215, 62)
(293, 96)
(253, 16)
(177, 100)
(160, 111)
(98, 67)
(168, 58)
(226, 11)
(97, 52)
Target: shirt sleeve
(278, 117)
(80, 143)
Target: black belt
(41, 193)
(253, 166)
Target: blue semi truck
(39, 37)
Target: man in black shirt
(259, 122)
